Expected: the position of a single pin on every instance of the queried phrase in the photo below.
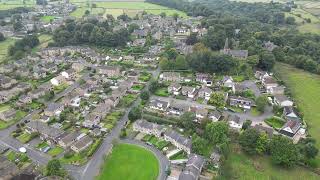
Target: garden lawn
(47, 18)
(130, 162)
(26, 137)
(305, 89)
(245, 167)
(162, 92)
(275, 122)
(127, 100)
(19, 116)
(55, 151)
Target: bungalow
(188, 91)
(159, 104)
(8, 115)
(6, 82)
(53, 109)
(139, 42)
(227, 81)
(69, 74)
(68, 139)
(276, 90)
(178, 140)
(170, 76)
(288, 113)
(282, 100)
(81, 144)
(214, 115)
(245, 103)
(109, 71)
(77, 66)
(260, 75)
(268, 82)
(56, 81)
(205, 93)
(46, 132)
(204, 78)
(92, 120)
(290, 128)
(174, 88)
(234, 122)
(201, 113)
(148, 128)
(24, 99)
(193, 168)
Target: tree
(186, 120)
(262, 143)
(247, 123)
(134, 114)
(266, 61)
(172, 53)
(217, 99)
(192, 39)
(199, 145)
(283, 151)
(310, 151)
(175, 16)
(54, 168)
(2, 38)
(145, 95)
(180, 63)
(248, 140)
(163, 14)
(154, 85)
(217, 132)
(261, 103)
(290, 20)
(253, 60)
(87, 12)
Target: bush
(68, 154)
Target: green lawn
(26, 137)
(4, 45)
(10, 4)
(275, 122)
(19, 116)
(305, 89)
(179, 155)
(118, 8)
(47, 18)
(55, 151)
(137, 87)
(127, 100)
(130, 162)
(162, 92)
(4, 107)
(76, 159)
(245, 167)
(144, 76)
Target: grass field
(47, 18)
(305, 89)
(10, 4)
(130, 162)
(4, 45)
(245, 167)
(118, 8)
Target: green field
(47, 18)
(305, 89)
(118, 8)
(130, 162)
(10, 4)
(4, 45)
(245, 167)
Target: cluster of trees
(283, 152)
(249, 26)
(10, 12)
(17, 50)
(2, 38)
(90, 31)
(54, 168)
